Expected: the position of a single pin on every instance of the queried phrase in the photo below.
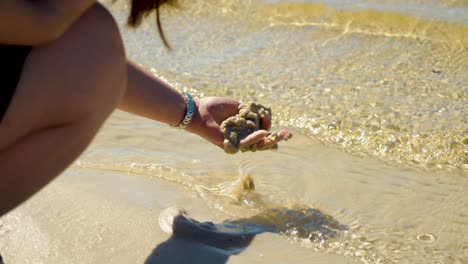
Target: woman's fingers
(253, 138)
(272, 140)
(266, 122)
(268, 143)
(263, 140)
(284, 134)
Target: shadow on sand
(209, 243)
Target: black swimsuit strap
(11, 65)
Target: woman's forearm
(151, 97)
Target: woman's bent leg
(67, 89)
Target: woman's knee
(100, 59)
(81, 74)
(98, 25)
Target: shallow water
(375, 93)
(368, 81)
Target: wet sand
(336, 208)
(93, 216)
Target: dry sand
(92, 216)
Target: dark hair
(141, 9)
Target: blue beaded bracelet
(189, 113)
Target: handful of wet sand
(246, 122)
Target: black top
(11, 64)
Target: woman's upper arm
(26, 22)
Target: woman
(64, 71)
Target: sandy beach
(110, 217)
(375, 93)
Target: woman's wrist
(195, 124)
(189, 106)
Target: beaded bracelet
(189, 113)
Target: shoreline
(93, 216)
